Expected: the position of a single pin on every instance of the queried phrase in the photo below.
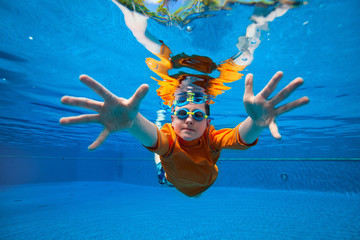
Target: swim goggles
(184, 113)
(186, 98)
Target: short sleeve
(227, 138)
(163, 142)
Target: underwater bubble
(161, 111)
(31, 38)
(189, 28)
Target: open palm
(114, 113)
(262, 110)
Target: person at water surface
(180, 13)
(190, 146)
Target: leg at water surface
(260, 22)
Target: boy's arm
(263, 111)
(114, 113)
(144, 131)
(137, 24)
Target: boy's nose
(189, 119)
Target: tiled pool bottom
(112, 210)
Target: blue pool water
(92, 210)
(305, 186)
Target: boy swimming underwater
(190, 146)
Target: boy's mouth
(188, 129)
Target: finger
(249, 92)
(274, 130)
(82, 102)
(86, 118)
(96, 87)
(284, 93)
(292, 105)
(101, 138)
(270, 87)
(139, 95)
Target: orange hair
(229, 72)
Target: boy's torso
(191, 165)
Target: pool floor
(112, 210)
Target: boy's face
(189, 129)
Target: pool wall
(329, 175)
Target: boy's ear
(208, 122)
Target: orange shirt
(191, 165)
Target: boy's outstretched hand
(262, 110)
(114, 113)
